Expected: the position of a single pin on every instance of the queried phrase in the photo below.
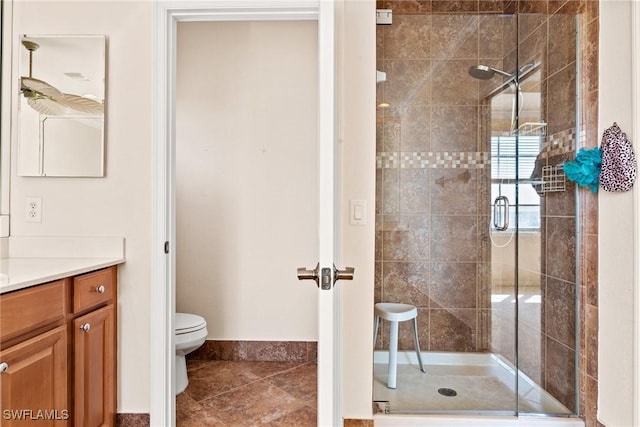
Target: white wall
(615, 226)
(120, 203)
(356, 122)
(246, 177)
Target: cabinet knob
(100, 289)
(85, 327)
(3, 367)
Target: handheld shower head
(484, 72)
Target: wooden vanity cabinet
(94, 348)
(33, 356)
(58, 353)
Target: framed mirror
(61, 106)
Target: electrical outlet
(34, 209)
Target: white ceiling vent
(78, 76)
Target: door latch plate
(326, 281)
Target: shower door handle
(501, 204)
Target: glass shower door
(500, 136)
(434, 215)
(548, 135)
(475, 225)
(530, 299)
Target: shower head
(484, 72)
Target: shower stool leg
(415, 340)
(393, 354)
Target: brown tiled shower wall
(433, 175)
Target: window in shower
(507, 168)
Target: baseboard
(132, 420)
(263, 351)
(357, 423)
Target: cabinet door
(94, 344)
(34, 381)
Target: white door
(325, 274)
(163, 298)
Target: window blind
(503, 156)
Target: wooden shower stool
(394, 313)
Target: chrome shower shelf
(553, 179)
(533, 129)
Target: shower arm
(527, 70)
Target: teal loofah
(585, 170)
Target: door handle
(323, 278)
(501, 204)
(346, 274)
(306, 274)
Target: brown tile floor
(240, 393)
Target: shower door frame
(162, 346)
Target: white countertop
(19, 273)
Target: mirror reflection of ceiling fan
(46, 99)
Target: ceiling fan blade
(39, 86)
(46, 106)
(81, 104)
(46, 99)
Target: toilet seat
(186, 323)
(190, 333)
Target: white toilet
(191, 332)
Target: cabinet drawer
(92, 289)
(27, 309)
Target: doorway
(246, 149)
(162, 363)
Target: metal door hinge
(166, 247)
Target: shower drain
(449, 392)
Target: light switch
(358, 212)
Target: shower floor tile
(239, 393)
(418, 391)
(479, 388)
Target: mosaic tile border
(562, 142)
(432, 159)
